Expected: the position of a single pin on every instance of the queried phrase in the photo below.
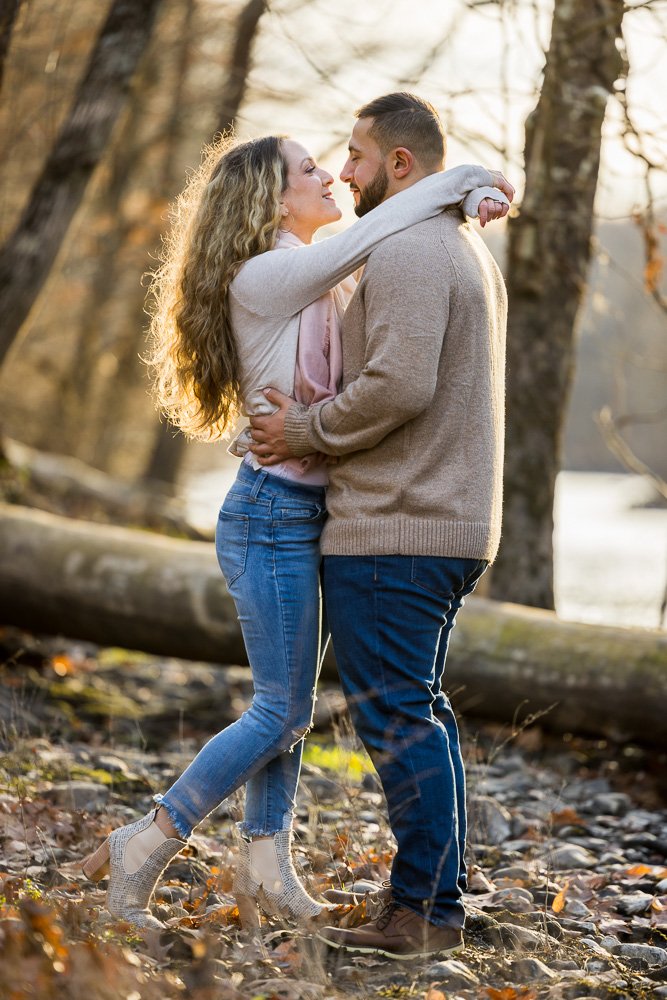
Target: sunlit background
(73, 383)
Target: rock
(569, 856)
(661, 886)
(564, 965)
(478, 882)
(514, 899)
(519, 872)
(595, 946)
(490, 822)
(594, 965)
(641, 956)
(171, 894)
(521, 938)
(660, 992)
(530, 970)
(611, 803)
(82, 796)
(575, 908)
(633, 903)
(453, 974)
(107, 762)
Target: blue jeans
(267, 542)
(391, 656)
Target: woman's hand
(501, 182)
(489, 209)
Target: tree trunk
(9, 10)
(548, 256)
(128, 588)
(237, 78)
(29, 253)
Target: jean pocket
(444, 576)
(231, 544)
(297, 513)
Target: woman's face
(307, 202)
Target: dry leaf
(559, 901)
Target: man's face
(365, 169)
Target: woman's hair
(228, 212)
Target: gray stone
(82, 796)
(514, 899)
(641, 956)
(575, 908)
(521, 938)
(595, 946)
(612, 803)
(531, 970)
(171, 894)
(570, 856)
(633, 903)
(609, 941)
(453, 974)
(111, 764)
(660, 992)
(594, 965)
(490, 822)
(661, 886)
(564, 965)
(513, 872)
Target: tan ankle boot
(134, 857)
(265, 877)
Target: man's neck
(402, 184)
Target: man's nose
(346, 172)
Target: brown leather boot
(375, 898)
(397, 933)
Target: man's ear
(402, 162)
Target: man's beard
(374, 192)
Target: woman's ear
(284, 210)
(402, 162)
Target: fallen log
(120, 587)
(61, 484)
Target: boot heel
(248, 911)
(96, 866)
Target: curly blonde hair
(228, 212)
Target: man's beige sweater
(419, 425)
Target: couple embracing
(367, 502)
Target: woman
(234, 311)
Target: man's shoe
(397, 933)
(375, 899)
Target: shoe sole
(438, 953)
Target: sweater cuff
(297, 425)
(473, 200)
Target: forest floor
(567, 857)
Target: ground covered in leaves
(568, 849)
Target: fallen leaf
(559, 900)
(433, 994)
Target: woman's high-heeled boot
(265, 877)
(134, 857)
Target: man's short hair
(403, 119)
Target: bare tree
(9, 10)
(548, 257)
(29, 253)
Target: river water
(610, 551)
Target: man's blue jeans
(390, 619)
(267, 542)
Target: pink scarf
(319, 356)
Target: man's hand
(268, 432)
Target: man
(414, 510)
